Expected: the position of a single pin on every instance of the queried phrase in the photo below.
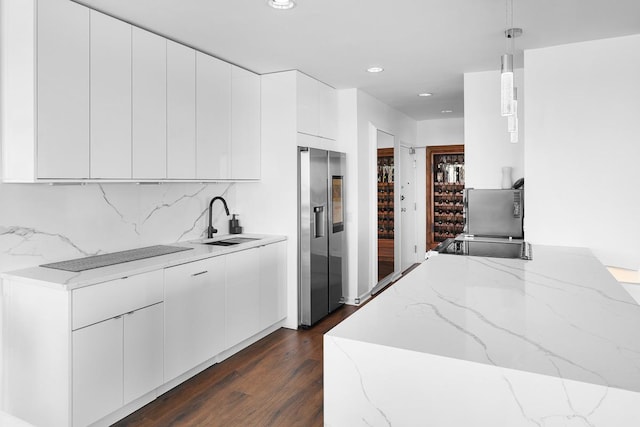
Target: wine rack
(445, 193)
(386, 170)
(386, 206)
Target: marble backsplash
(44, 223)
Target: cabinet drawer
(105, 300)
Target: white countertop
(68, 280)
(561, 314)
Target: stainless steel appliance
(321, 231)
(486, 248)
(496, 213)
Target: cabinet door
(63, 90)
(149, 88)
(243, 295)
(213, 117)
(97, 371)
(307, 100)
(181, 111)
(143, 355)
(194, 307)
(273, 283)
(110, 97)
(327, 112)
(245, 124)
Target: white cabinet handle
(197, 274)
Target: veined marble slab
(69, 280)
(561, 316)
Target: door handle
(320, 220)
(198, 274)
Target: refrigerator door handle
(320, 219)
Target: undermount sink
(220, 243)
(231, 242)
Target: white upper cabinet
(87, 97)
(213, 117)
(308, 111)
(181, 111)
(63, 90)
(110, 97)
(317, 107)
(327, 112)
(245, 124)
(149, 74)
(44, 49)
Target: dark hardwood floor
(385, 268)
(275, 382)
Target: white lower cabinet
(116, 361)
(143, 351)
(97, 370)
(273, 283)
(93, 350)
(194, 314)
(243, 295)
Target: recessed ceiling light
(446, 111)
(281, 4)
(375, 69)
(424, 94)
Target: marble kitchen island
(474, 341)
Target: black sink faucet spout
(210, 229)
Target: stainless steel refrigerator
(321, 231)
(494, 213)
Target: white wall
(373, 115)
(583, 146)
(441, 132)
(487, 147)
(385, 140)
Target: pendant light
(506, 85)
(506, 66)
(508, 92)
(512, 120)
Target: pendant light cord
(508, 32)
(506, 25)
(513, 36)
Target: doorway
(386, 204)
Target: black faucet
(210, 229)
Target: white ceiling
(423, 45)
